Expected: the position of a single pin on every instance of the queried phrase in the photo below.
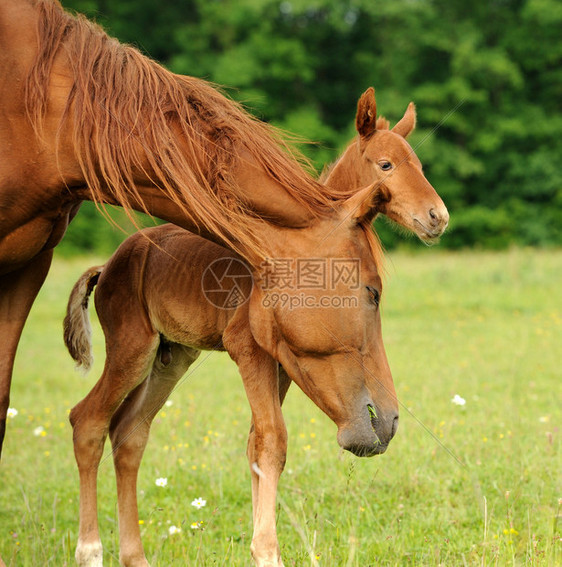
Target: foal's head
(384, 155)
(316, 310)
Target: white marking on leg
(89, 554)
(257, 470)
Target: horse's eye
(374, 295)
(385, 165)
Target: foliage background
(486, 77)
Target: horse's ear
(407, 123)
(366, 119)
(367, 203)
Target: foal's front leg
(267, 448)
(284, 383)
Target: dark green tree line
(486, 77)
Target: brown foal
(156, 326)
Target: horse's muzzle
(370, 433)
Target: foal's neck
(344, 174)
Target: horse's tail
(77, 328)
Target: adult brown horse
(165, 295)
(86, 118)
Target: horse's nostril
(373, 415)
(394, 426)
(433, 215)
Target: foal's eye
(385, 165)
(374, 295)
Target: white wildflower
(199, 503)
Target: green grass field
(473, 484)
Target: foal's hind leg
(129, 432)
(127, 362)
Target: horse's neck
(267, 197)
(152, 200)
(343, 176)
(17, 30)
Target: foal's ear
(407, 123)
(367, 203)
(366, 118)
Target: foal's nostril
(434, 216)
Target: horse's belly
(22, 244)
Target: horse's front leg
(268, 443)
(18, 290)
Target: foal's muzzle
(431, 225)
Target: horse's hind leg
(127, 362)
(129, 430)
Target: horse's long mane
(127, 111)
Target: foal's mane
(127, 111)
(327, 169)
(375, 246)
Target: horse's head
(385, 156)
(315, 309)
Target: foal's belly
(193, 340)
(190, 324)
